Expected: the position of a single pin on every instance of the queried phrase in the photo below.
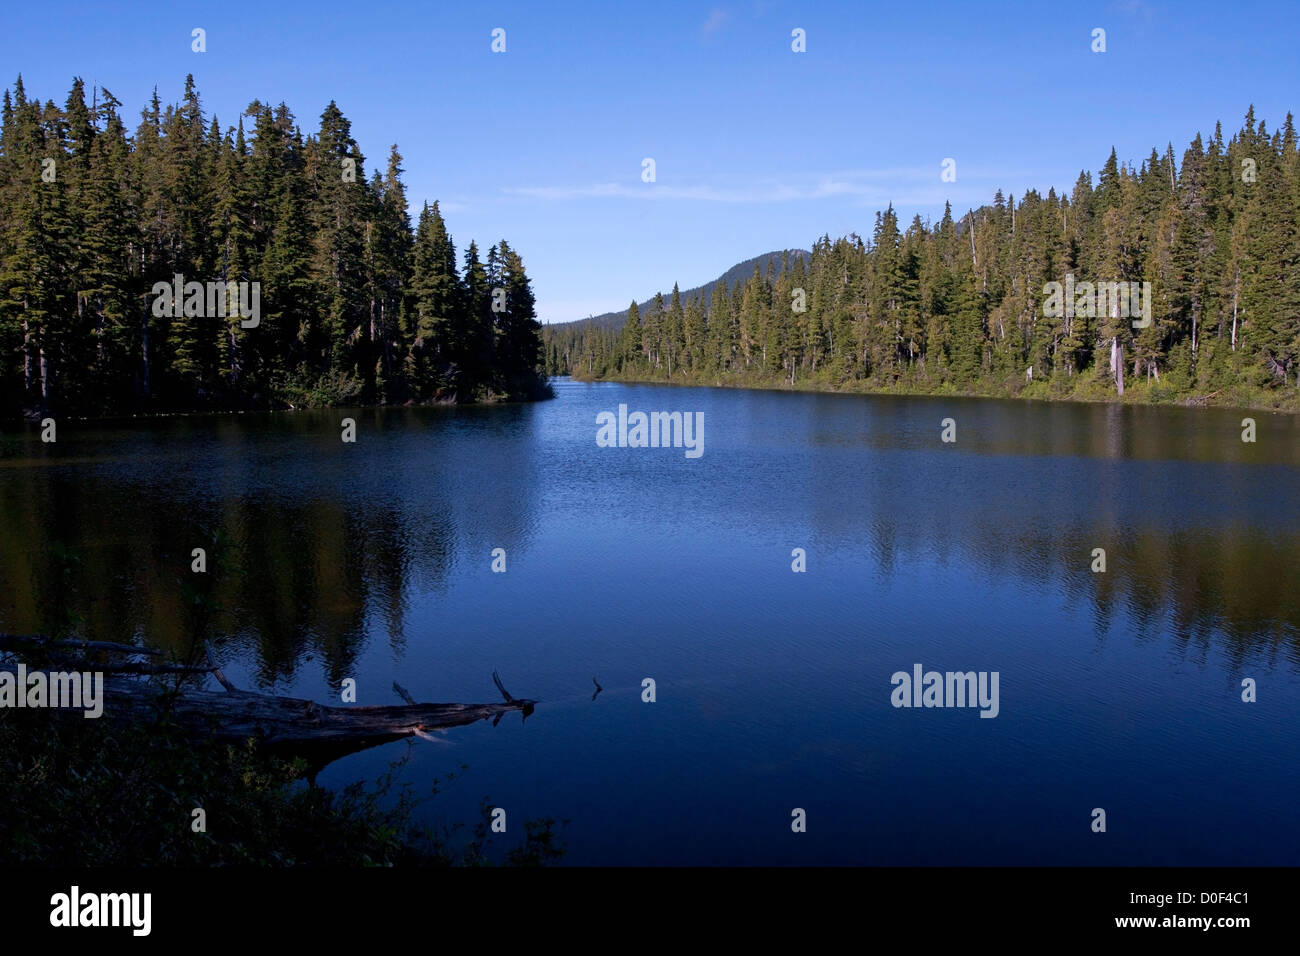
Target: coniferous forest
(960, 306)
(354, 307)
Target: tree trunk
(1196, 311)
(1117, 363)
(45, 378)
(27, 357)
(1234, 319)
(144, 351)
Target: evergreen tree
(91, 220)
(961, 304)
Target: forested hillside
(962, 305)
(740, 271)
(353, 305)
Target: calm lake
(1119, 690)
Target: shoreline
(9, 423)
(1189, 401)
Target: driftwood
(286, 726)
(17, 642)
(1201, 399)
(294, 727)
(75, 655)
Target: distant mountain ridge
(737, 273)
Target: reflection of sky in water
(372, 560)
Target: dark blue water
(1119, 690)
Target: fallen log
(1200, 399)
(294, 727)
(17, 642)
(285, 726)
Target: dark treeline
(960, 306)
(355, 306)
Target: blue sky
(756, 147)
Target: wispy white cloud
(1132, 7)
(913, 186)
(717, 17)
